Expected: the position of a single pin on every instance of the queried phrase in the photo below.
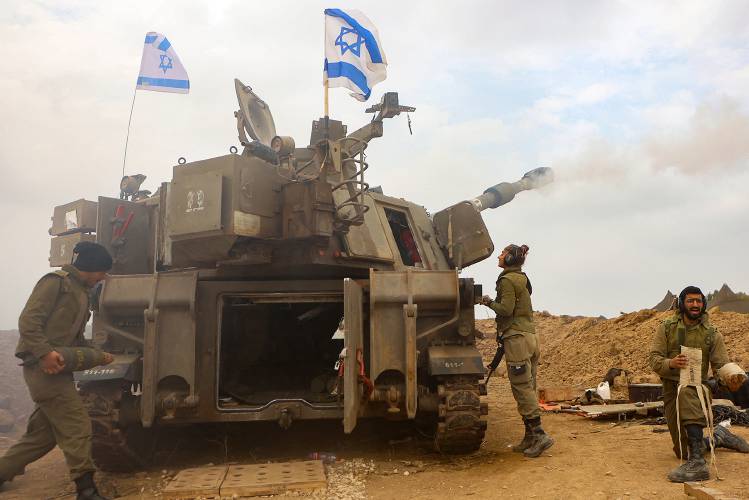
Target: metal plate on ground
(204, 482)
(270, 479)
(596, 410)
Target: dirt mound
(728, 300)
(666, 303)
(725, 298)
(578, 351)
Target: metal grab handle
(354, 185)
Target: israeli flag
(353, 54)
(160, 69)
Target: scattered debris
(725, 412)
(326, 457)
(347, 480)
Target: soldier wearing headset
(690, 327)
(516, 333)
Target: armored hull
(272, 284)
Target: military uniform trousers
(60, 418)
(521, 356)
(690, 412)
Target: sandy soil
(384, 460)
(598, 459)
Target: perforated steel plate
(269, 479)
(204, 482)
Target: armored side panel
(77, 216)
(369, 240)
(454, 360)
(155, 313)
(213, 203)
(406, 309)
(462, 233)
(61, 250)
(307, 210)
(353, 314)
(397, 231)
(125, 229)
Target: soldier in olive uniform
(515, 331)
(52, 322)
(690, 327)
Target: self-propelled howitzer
(273, 284)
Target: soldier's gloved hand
(486, 300)
(108, 358)
(52, 363)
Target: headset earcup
(509, 259)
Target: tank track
(114, 448)
(461, 424)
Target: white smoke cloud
(716, 138)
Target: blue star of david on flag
(355, 47)
(354, 58)
(166, 63)
(160, 68)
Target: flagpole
(325, 82)
(127, 137)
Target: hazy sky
(642, 108)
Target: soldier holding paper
(687, 403)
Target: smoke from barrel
(504, 192)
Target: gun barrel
(504, 192)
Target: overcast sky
(642, 108)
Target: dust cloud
(713, 140)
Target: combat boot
(694, 469)
(540, 440)
(726, 439)
(86, 488)
(527, 439)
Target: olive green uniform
(518, 335)
(55, 316)
(670, 335)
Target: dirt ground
(591, 459)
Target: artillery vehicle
(274, 284)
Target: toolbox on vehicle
(61, 251)
(75, 217)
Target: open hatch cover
(255, 113)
